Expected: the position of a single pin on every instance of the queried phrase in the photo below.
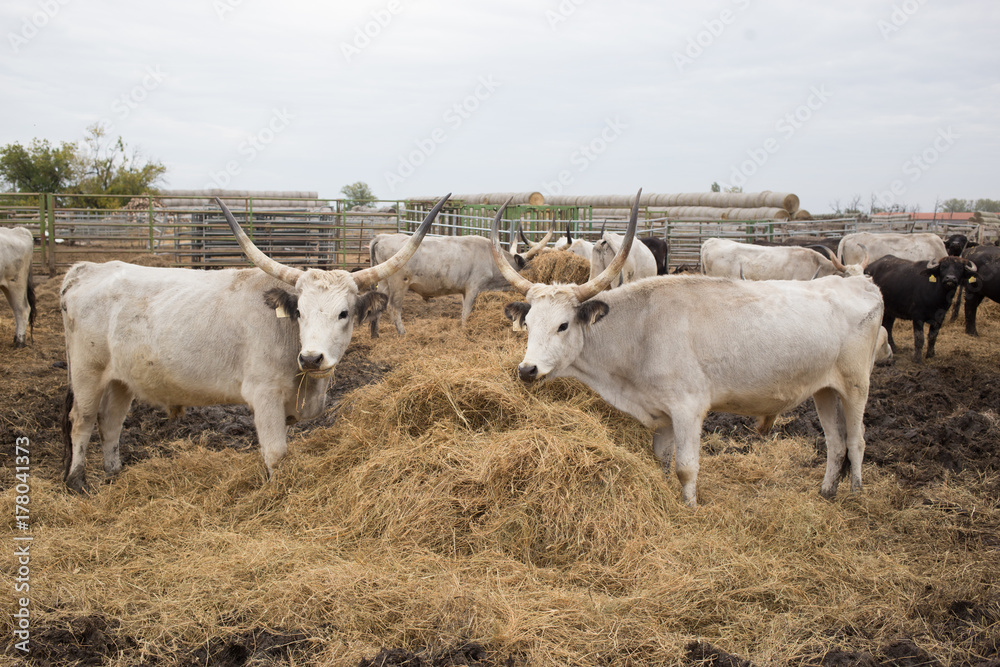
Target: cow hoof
(18, 344)
(828, 494)
(77, 485)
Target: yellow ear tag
(933, 279)
(972, 279)
(280, 312)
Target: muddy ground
(924, 423)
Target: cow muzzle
(528, 373)
(314, 364)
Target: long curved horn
(288, 274)
(538, 247)
(601, 282)
(569, 237)
(372, 275)
(833, 258)
(516, 280)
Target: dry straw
(449, 503)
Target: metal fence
(324, 234)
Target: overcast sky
(826, 100)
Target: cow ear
(591, 312)
(516, 312)
(519, 261)
(285, 304)
(369, 306)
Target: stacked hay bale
(764, 205)
(493, 198)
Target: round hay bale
(802, 214)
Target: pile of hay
(451, 506)
(557, 266)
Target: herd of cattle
(760, 330)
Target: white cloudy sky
(826, 100)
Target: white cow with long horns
(669, 349)
(269, 337)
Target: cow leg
(853, 405)
(82, 418)
(972, 302)
(829, 410)
(269, 419)
(918, 340)
(887, 322)
(687, 437)
(468, 302)
(932, 332)
(114, 407)
(19, 304)
(663, 446)
(395, 305)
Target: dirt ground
(925, 423)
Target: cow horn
(538, 247)
(933, 264)
(372, 275)
(971, 265)
(593, 287)
(287, 274)
(569, 237)
(516, 280)
(836, 262)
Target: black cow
(985, 285)
(826, 242)
(659, 248)
(956, 244)
(919, 291)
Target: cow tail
(31, 305)
(66, 423)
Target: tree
(988, 205)
(38, 168)
(357, 194)
(956, 206)
(734, 188)
(109, 168)
(715, 187)
(853, 206)
(101, 167)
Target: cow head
(557, 316)
(326, 304)
(956, 244)
(518, 260)
(950, 271)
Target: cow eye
(343, 315)
(563, 327)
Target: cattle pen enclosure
(441, 513)
(307, 231)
